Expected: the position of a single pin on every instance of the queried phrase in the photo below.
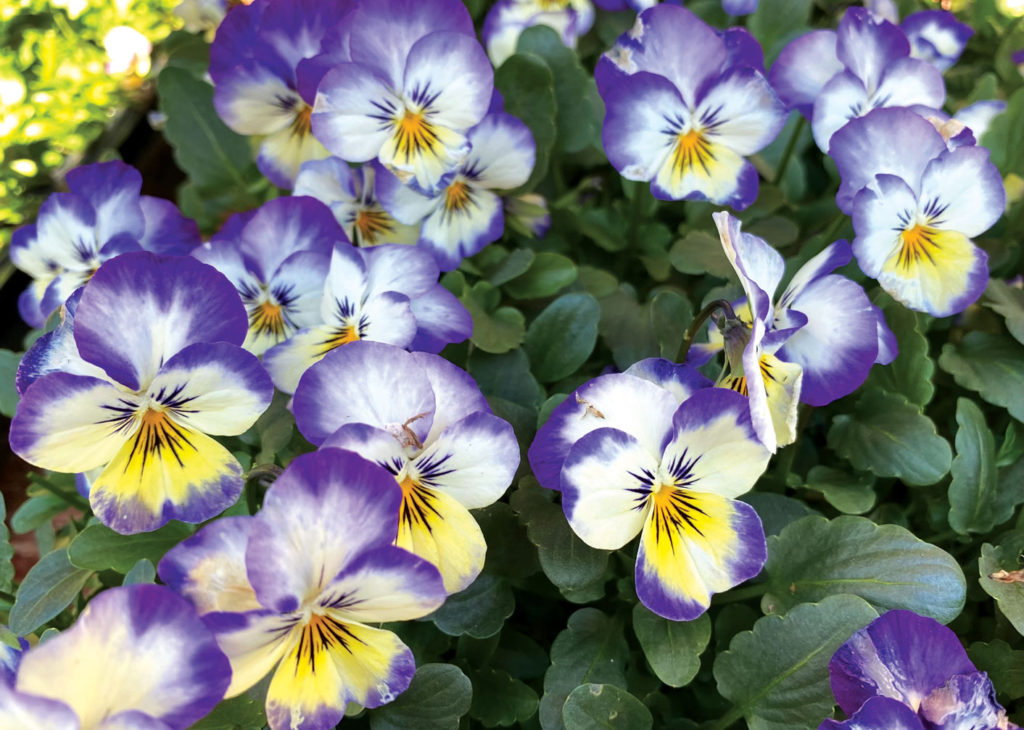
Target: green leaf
(512, 265)
(1008, 302)
(1003, 664)
(97, 547)
(671, 314)
(848, 493)
(495, 329)
(438, 696)
(976, 504)
(604, 706)
(777, 510)
(142, 572)
(776, 22)
(562, 336)
(626, 327)
(567, 561)
(699, 252)
(591, 649)
(672, 648)
(500, 700)
(8, 393)
(606, 228)
(776, 675)
(1005, 136)
(479, 611)
(548, 274)
(912, 371)
(890, 436)
(1009, 596)
(50, 586)
(506, 376)
(580, 109)
(6, 551)
(35, 512)
(885, 565)
(275, 428)
(528, 87)
(211, 154)
(991, 365)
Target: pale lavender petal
(803, 68)
(878, 713)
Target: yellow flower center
(917, 243)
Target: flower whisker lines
(418, 505)
(318, 637)
(371, 225)
(414, 136)
(917, 244)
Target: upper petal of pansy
(284, 226)
(70, 423)
(215, 388)
(911, 82)
(936, 37)
(741, 111)
(875, 144)
(65, 236)
(979, 115)
(139, 648)
(695, 544)
(742, 49)
(168, 232)
(237, 38)
(328, 180)
(681, 381)
(283, 152)
(294, 29)
(321, 513)
(624, 402)
(26, 253)
(605, 481)
(140, 309)
(759, 266)
(965, 701)
(964, 191)
(456, 393)
(353, 112)
(878, 713)
(637, 114)
(398, 268)
(21, 711)
(405, 203)
(112, 189)
(842, 98)
(448, 73)
(209, 567)
(503, 152)
(900, 655)
(803, 68)
(867, 44)
(253, 99)
(739, 7)
(440, 319)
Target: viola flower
(277, 257)
(260, 84)
(833, 77)
(296, 589)
(467, 213)
(907, 672)
(426, 422)
(507, 19)
(675, 483)
(137, 657)
(915, 209)
(171, 374)
(683, 111)
(638, 401)
(936, 36)
(386, 293)
(351, 196)
(732, 7)
(102, 216)
(416, 81)
(528, 214)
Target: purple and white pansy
(426, 422)
(732, 7)
(915, 208)
(908, 672)
(414, 81)
(311, 575)
(137, 658)
(684, 109)
(466, 214)
(507, 19)
(101, 216)
(832, 77)
(163, 374)
(386, 293)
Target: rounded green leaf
(672, 648)
(991, 365)
(548, 274)
(97, 547)
(528, 88)
(49, 587)
(1009, 596)
(885, 565)
(479, 611)
(500, 700)
(437, 697)
(562, 336)
(604, 707)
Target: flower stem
(698, 321)
(742, 593)
(788, 152)
(74, 500)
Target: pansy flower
(916, 207)
(137, 657)
(296, 590)
(683, 110)
(936, 36)
(415, 82)
(351, 195)
(169, 373)
(385, 293)
(732, 7)
(277, 257)
(260, 82)
(507, 19)
(908, 672)
(674, 482)
(833, 77)
(467, 214)
(426, 422)
(102, 216)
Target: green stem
(788, 152)
(755, 590)
(698, 321)
(727, 719)
(5, 596)
(836, 224)
(634, 216)
(74, 500)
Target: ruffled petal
(844, 97)
(353, 112)
(112, 189)
(440, 320)
(910, 82)
(638, 114)
(399, 269)
(965, 701)
(867, 45)
(456, 393)
(385, 584)
(681, 381)
(936, 37)
(803, 68)
(168, 232)
(447, 73)
(878, 713)
(503, 152)
(253, 99)
(741, 111)
(965, 191)
(285, 226)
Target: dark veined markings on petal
(370, 225)
(417, 504)
(674, 507)
(268, 318)
(692, 150)
(414, 135)
(340, 336)
(302, 123)
(458, 199)
(157, 439)
(739, 382)
(917, 244)
(321, 635)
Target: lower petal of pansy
(287, 361)
(283, 152)
(468, 218)
(165, 471)
(335, 662)
(253, 642)
(132, 720)
(965, 701)
(695, 544)
(935, 271)
(422, 153)
(19, 711)
(700, 169)
(783, 382)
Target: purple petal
(878, 713)
(20, 711)
(681, 381)
(284, 226)
(168, 232)
(867, 45)
(803, 68)
(112, 189)
(936, 37)
(965, 701)
(440, 320)
(456, 393)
